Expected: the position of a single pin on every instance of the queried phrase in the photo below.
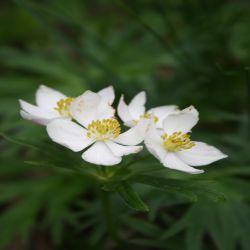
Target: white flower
(135, 111)
(100, 131)
(174, 148)
(51, 104)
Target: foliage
(184, 52)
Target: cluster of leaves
(182, 52)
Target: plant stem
(248, 100)
(107, 212)
(103, 171)
(133, 162)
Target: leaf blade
(130, 197)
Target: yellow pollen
(149, 116)
(177, 142)
(63, 106)
(103, 130)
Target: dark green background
(180, 52)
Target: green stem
(248, 100)
(103, 171)
(132, 163)
(107, 212)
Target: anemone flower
(135, 111)
(52, 104)
(97, 132)
(173, 147)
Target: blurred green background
(180, 52)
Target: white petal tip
(25, 115)
(43, 87)
(138, 149)
(224, 156)
(193, 171)
(21, 102)
(197, 172)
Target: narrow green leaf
(192, 189)
(18, 142)
(130, 197)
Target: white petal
(89, 107)
(134, 135)
(162, 112)
(201, 154)
(123, 111)
(154, 143)
(100, 154)
(182, 121)
(69, 134)
(47, 98)
(34, 110)
(36, 114)
(35, 119)
(137, 105)
(84, 108)
(120, 150)
(108, 94)
(105, 111)
(172, 161)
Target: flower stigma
(63, 106)
(177, 142)
(103, 130)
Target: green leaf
(130, 197)
(19, 142)
(146, 228)
(192, 189)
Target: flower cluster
(89, 123)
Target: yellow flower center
(177, 142)
(149, 116)
(103, 130)
(63, 106)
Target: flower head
(103, 130)
(135, 111)
(52, 104)
(173, 145)
(99, 133)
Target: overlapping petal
(201, 154)
(123, 111)
(154, 143)
(172, 161)
(89, 107)
(134, 135)
(162, 112)
(69, 134)
(36, 114)
(137, 105)
(47, 98)
(134, 110)
(182, 121)
(121, 150)
(100, 154)
(107, 94)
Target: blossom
(135, 111)
(52, 104)
(173, 146)
(98, 132)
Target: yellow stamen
(149, 116)
(63, 106)
(103, 130)
(177, 142)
